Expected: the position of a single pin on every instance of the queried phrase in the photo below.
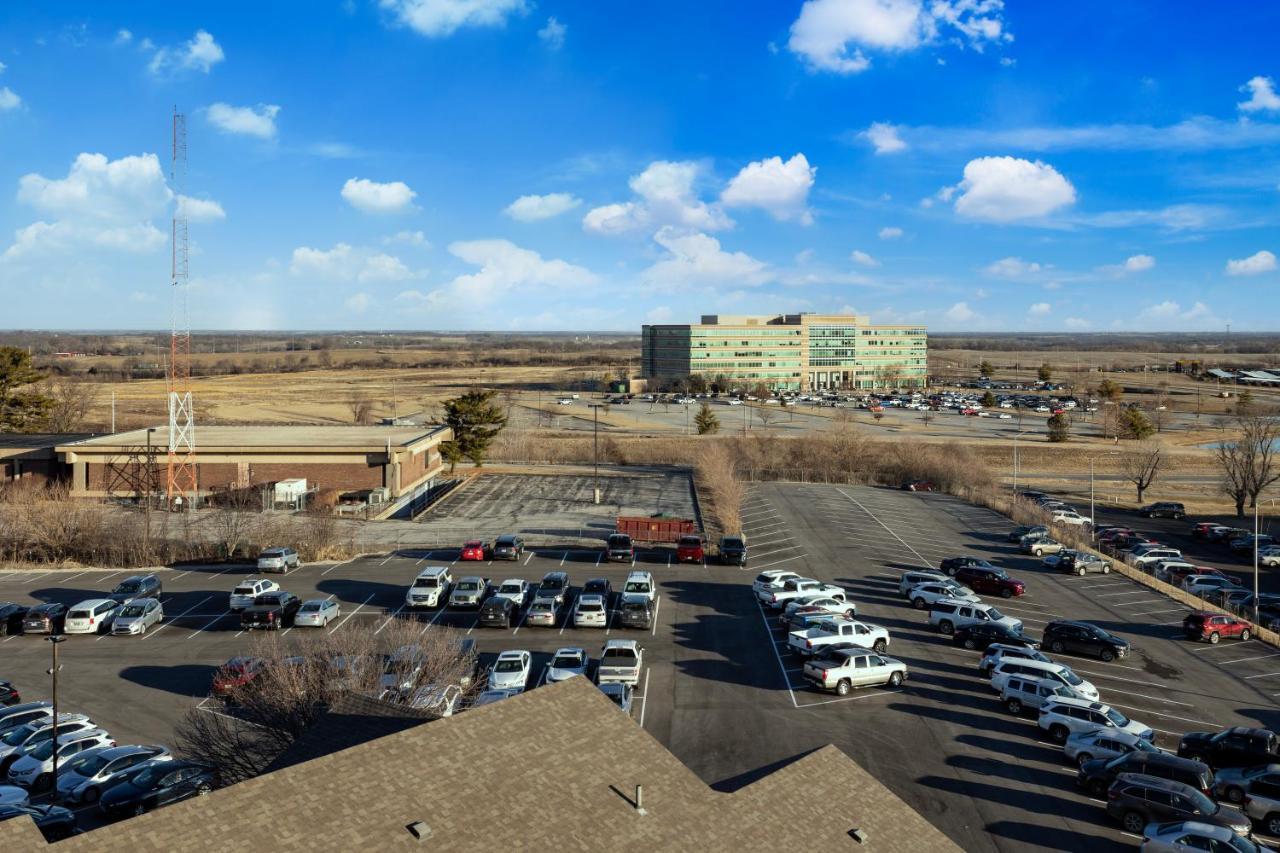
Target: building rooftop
(552, 769)
(271, 437)
(17, 444)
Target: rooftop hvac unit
(289, 491)
(379, 495)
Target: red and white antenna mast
(182, 485)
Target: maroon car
(1205, 625)
(988, 580)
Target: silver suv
(948, 614)
(1021, 693)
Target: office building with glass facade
(804, 352)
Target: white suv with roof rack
(247, 590)
(430, 588)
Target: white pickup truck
(838, 630)
(793, 588)
(845, 669)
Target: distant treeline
(1209, 343)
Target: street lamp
(686, 418)
(53, 672)
(595, 440)
(1015, 460)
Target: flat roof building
(787, 351)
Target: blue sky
(511, 164)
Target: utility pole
(595, 440)
(149, 488)
(56, 640)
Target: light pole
(595, 440)
(1255, 561)
(53, 672)
(150, 481)
(1015, 460)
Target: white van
(1039, 669)
(638, 587)
(430, 588)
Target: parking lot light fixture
(56, 640)
(595, 440)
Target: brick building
(33, 458)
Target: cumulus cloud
(695, 258)
(860, 257)
(1008, 189)
(373, 197)
(1076, 323)
(553, 33)
(357, 303)
(201, 53)
(9, 99)
(780, 188)
(884, 137)
(123, 37)
(412, 238)
(1262, 96)
(533, 208)
(1257, 263)
(1139, 263)
(960, 313)
(504, 267)
(1040, 309)
(440, 18)
(890, 232)
(833, 35)
(1012, 268)
(259, 121)
(347, 263)
(200, 209)
(660, 314)
(1161, 311)
(666, 196)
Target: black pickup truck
(271, 610)
(1234, 747)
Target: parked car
(136, 616)
(910, 580)
(794, 588)
(34, 769)
(1233, 747)
(598, 586)
(1212, 627)
(1069, 518)
(430, 588)
(768, 582)
(544, 612)
(1178, 574)
(620, 549)
(402, 670)
(951, 565)
(317, 613)
(156, 785)
(1201, 585)
(1079, 563)
(511, 670)
(979, 635)
(498, 611)
(554, 585)
(690, 550)
(620, 692)
(1185, 835)
(919, 486)
(1041, 546)
(469, 592)
(9, 694)
(137, 586)
(91, 617)
(636, 614)
(19, 741)
(54, 822)
(247, 590)
(1096, 775)
(854, 667)
(838, 630)
(1083, 638)
(11, 616)
(1233, 783)
(733, 550)
(1023, 693)
(567, 663)
(278, 560)
(1062, 716)
(1137, 801)
(590, 611)
(1149, 557)
(620, 660)
(12, 795)
(1164, 509)
(515, 590)
(13, 716)
(1200, 530)
(271, 610)
(45, 619)
(828, 604)
(998, 652)
(472, 550)
(990, 581)
(1024, 530)
(507, 547)
(1030, 668)
(1104, 745)
(84, 778)
(925, 594)
(949, 614)
(235, 674)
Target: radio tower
(182, 417)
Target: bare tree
(235, 522)
(1141, 465)
(70, 402)
(1248, 461)
(716, 473)
(361, 408)
(763, 414)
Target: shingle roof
(555, 768)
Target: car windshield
(311, 607)
(148, 776)
(425, 582)
(89, 766)
(732, 543)
(509, 665)
(129, 586)
(509, 587)
(1000, 574)
(1117, 719)
(552, 584)
(1071, 678)
(468, 586)
(43, 752)
(994, 615)
(17, 736)
(1203, 804)
(132, 610)
(638, 586)
(567, 662)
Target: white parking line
(394, 615)
(782, 667)
(523, 616)
(1242, 660)
(568, 613)
(564, 557)
(1263, 675)
(777, 562)
(779, 550)
(388, 560)
(764, 527)
(757, 543)
(1148, 612)
(1130, 592)
(334, 566)
(347, 618)
(922, 560)
(528, 558)
(1167, 716)
(1103, 585)
(848, 698)
(1134, 603)
(169, 620)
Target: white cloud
(1008, 61)
(860, 257)
(100, 203)
(1076, 323)
(9, 99)
(356, 303)
(661, 314)
(666, 197)
(1007, 189)
(1139, 263)
(348, 263)
(1255, 264)
(123, 37)
(1040, 309)
(1176, 217)
(884, 137)
(504, 268)
(890, 232)
(334, 150)
(831, 35)
(780, 188)
(1198, 133)
(804, 256)
(439, 18)
(259, 121)
(1262, 96)
(552, 34)
(412, 238)
(373, 197)
(1166, 310)
(1012, 268)
(200, 209)
(695, 258)
(960, 313)
(201, 53)
(532, 208)
(1199, 311)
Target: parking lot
(718, 687)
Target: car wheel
(970, 644)
(139, 810)
(1106, 568)
(1057, 647)
(1106, 656)
(919, 604)
(879, 646)
(1080, 571)
(1058, 732)
(1244, 635)
(203, 790)
(91, 795)
(1014, 706)
(946, 627)
(1133, 822)
(895, 679)
(1213, 638)
(1006, 593)
(1082, 758)
(1235, 795)
(842, 689)
(1038, 552)
(42, 783)
(1098, 788)
(1272, 823)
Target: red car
(689, 550)
(473, 550)
(918, 486)
(1201, 529)
(1204, 625)
(236, 673)
(990, 581)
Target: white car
(85, 777)
(1005, 416)
(997, 652)
(511, 671)
(20, 740)
(620, 660)
(137, 616)
(317, 613)
(429, 588)
(278, 560)
(590, 611)
(849, 668)
(769, 581)
(948, 614)
(820, 604)
(91, 617)
(1200, 584)
(1154, 556)
(247, 590)
(516, 589)
(915, 577)
(837, 629)
(566, 663)
(1042, 546)
(798, 588)
(1027, 668)
(1070, 518)
(924, 595)
(440, 699)
(34, 770)
(638, 586)
(488, 697)
(1063, 717)
(564, 401)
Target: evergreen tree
(706, 421)
(475, 419)
(22, 407)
